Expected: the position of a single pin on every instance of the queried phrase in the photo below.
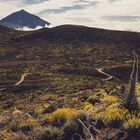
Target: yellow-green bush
(5, 135)
(38, 110)
(133, 123)
(107, 104)
(60, 114)
(114, 114)
(138, 89)
(87, 106)
(46, 119)
(108, 100)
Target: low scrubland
(86, 115)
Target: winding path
(100, 70)
(22, 79)
(138, 99)
(19, 82)
(2, 89)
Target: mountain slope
(22, 19)
(96, 40)
(70, 33)
(75, 43)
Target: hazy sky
(111, 14)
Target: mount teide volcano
(21, 19)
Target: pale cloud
(111, 14)
(122, 18)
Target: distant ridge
(21, 19)
(73, 42)
(77, 34)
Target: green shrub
(28, 124)
(49, 109)
(93, 99)
(82, 116)
(132, 126)
(20, 136)
(14, 124)
(70, 128)
(74, 126)
(50, 133)
(130, 102)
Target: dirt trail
(100, 70)
(22, 78)
(2, 89)
(138, 99)
(19, 82)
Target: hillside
(72, 43)
(70, 47)
(49, 78)
(70, 33)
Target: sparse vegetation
(64, 97)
